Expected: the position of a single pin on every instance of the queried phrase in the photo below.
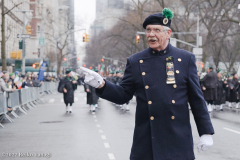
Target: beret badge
(165, 21)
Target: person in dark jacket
(164, 79)
(234, 90)
(92, 98)
(221, 93)
(110, 77)
(209, 86)
(68, 85)
(226, 86)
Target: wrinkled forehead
(154, 26)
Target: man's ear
(169, 33)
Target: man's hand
(205, 142)
(87, 90)
(64, 90)
(93, 79)
(204, 88)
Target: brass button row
(152, 118)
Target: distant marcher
(67, 86)
(234, 90)
(221, 93)
(209, 86)
(92, 98)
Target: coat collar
(160, 53)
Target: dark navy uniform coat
(162, 122)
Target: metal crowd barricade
(3, 107)
(14, 102)
(25, 98)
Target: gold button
(174, 86)
(152, 118)
(143, 73)
(153, 52)
(172, 117)
(179, 60)
(177, 71)
(173, 102)
(141, 61)
(146, 87)
(149, 102)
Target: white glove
(205, 142)
(92, 78)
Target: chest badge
(170, 70)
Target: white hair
(165, 28)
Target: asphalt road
(47, 132)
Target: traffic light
(78, 58)
(28, 29)
(34, 65)
(84, 65)
(13, 55)
(102, 60)
(87, 37)
(20, 44)
(65, 59)
(137, 39)
(84, 37)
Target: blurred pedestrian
(221, 93)
(67, 86)
(92, 98)
(3, 87)
(234, 90)
(209, 86)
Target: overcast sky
(84, 11)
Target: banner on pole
(42, 70)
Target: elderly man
(164, 79)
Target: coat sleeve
(4, 87)
(61, 86)
(197, 102)
(122, 93)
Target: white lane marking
(111, 156)
(103, 137)
(93, 113)
(106, 145)
(98, 126)
(51, 100)
(232, 130)
(94, 116)
(96, 120)
(76, 99)
(100, 131)
(62, 100)
(85, 98)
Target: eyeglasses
(148, 31)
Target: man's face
(110, 75)
(235, 76)
(12, 76)
(157, 38)
(219, 75)
(69, 74)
